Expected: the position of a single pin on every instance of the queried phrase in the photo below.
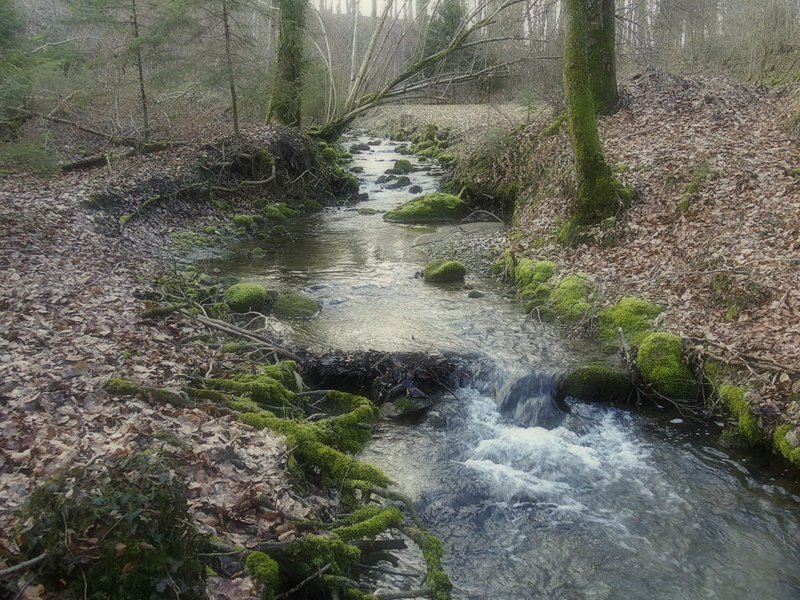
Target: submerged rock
(444, 271)
(291, 305)
(430, 208)
(367, 211)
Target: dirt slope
(714, 235)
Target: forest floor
(714, 233)
(71, 280)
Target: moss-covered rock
(633, 315)
(243, 297)
(444, 271)
(398, 183)
(734, 398)
(244, 221)
(780, 440)
(295, 306)
(529, 271)
(430, 208)
(404, 166)
(570, 297)
(367, 212)
(280, 213)
(264, 570)
(596, 383)
(661, 365)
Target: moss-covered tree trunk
(286, 98)
(601, 47)
(598, 191)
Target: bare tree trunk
(140, 68)
(229, 65)
(354, 48)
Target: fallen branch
(305, 581)
(418, 593)
(22, 566)
(235, 331)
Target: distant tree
(599, 194)
(285, 104)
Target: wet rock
(374, 142)
(475, 294)
(403, 166)
(367, 211)
(443, 271)
(415, 189)
(295, 306)
(384, 179)
(406, 408)
(400, 182)
(430, 208)
(356, 169)
(596, 383)
(393, 172)
(363, 196)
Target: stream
(598, 504)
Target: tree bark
(229, 65)
(598, 192)
(601, 49)
(140, 68)
(285, 101)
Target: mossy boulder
(280, 213)
(570, 297)
(785, 440)
(403, 166)
(444, 271)
(633, 315)
(264, 570)
(398, 183)
(244, 221)
(734, 398)
(430, 208)
(243, 297)
(661, 365)
(295, 306)
(528, 271)
(596, 383)
(367, 211)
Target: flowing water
(529, 502)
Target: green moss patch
(280, 213)
(633, 315)
(264, 570)
(570, 298)
(660, 363)
(597, 383)
(404, 166)
(734, 398)
(243, 297)
(444, 271)
(295, 306)
(529, 271)
(430, 208)
(784, 447)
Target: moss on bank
(633, 316)
(662, 367)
